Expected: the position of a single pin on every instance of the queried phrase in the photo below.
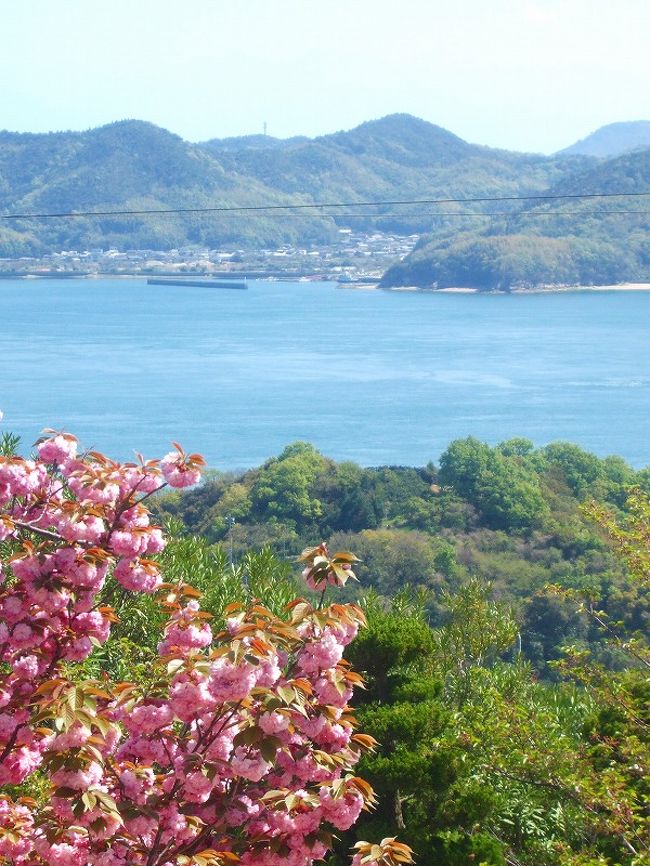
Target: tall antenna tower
(265, 133)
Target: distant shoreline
(460, 290)
(352, 286)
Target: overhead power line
(272, 208)
(502, 213)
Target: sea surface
(369, 376)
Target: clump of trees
(479, 761)
(511, 514)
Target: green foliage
(131, 649)
(393, 558)
(281, 491)
(258, 575)
(619, 724)
(476, 632)
(629, 535)
(565, 243)
(397, 643)
(402, 709)
(579, 469)
(549, 623)
(503, 487)
(9, 443)
(510, 515)
(475, 759)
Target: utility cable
(302, 207)
(506, 214)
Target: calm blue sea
(375, 377)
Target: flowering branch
(243, 751)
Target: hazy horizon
(528, 75)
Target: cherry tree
(240, 749)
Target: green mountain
(395, 158)
(613, 140)
(130, 165)
(133, 165)
(565, 242)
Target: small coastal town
(355, 257)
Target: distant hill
(395, 158)
(570, 242)
(131, 165)
(613, 140)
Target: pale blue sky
(521, 74)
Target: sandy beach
(460, 290)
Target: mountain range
(134, 165)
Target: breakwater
(204, 284)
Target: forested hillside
(562, 242)
(129, 165)
(510, 515)
(398, 157)
(134, 165)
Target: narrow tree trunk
(399, 817)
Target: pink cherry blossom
(177, 472)
(58, 449)
(230, 732)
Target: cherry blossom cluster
(244, 749)
(323, 570)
